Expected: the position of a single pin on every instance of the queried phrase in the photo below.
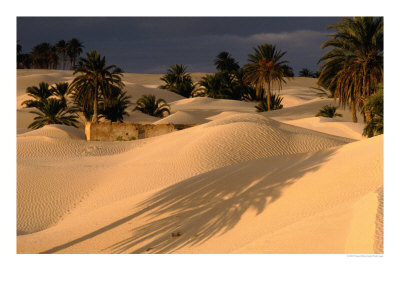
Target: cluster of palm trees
(51, 105)
(97, 91)
(265, 68)
(308, 73)
(352, 69)
(62, 55)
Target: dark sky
(152, 44)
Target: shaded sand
(241, 182)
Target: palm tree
(306, 73)
(53, 111)
(149, 105)
(61, 47)
(216, 86)
(265, 67)
(355, 63)
(275, 103)
(74, 49)
(19, 48)
(116, 109)
(226, 63)
(82, 104)
(287, 71)
(95, 79)
(185, 89)
(177, 80)
(374, 106)
(61, 90)
(53, 58)
(41, 56)
(39, 93)
(26, 60)
(240, 88)
(328, 111)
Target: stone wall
(150, 130)
(107, 131)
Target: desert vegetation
(307, 73)
(353, 67)
(351, 72)
(328, 111)
(374, 106)
(177, 80)
(275, 103)
(265, 68)
(96, 92)
(229, 82)
(94, 81)
(148, 104)
(62, 55)
(50, 106)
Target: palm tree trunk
(94, 118)
(367, 115)
(269, 95)
(353, 111)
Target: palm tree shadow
(192, 211)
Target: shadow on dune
(196, 209)
(193, 211)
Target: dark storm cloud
(151, 45)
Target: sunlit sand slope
(240, 182)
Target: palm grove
(351, 71)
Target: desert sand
(240, 182)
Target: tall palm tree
(81, 103)
(53, 111)
(53, 58)
(61, 90)
(95, 80)
(354, 65)
(61, 47)
(19, 52)
(265, 67)
(74, 49)
(24, 61)
(19, 48)
(149, 105)
(226, 63)
(41, 56)
(39, 93)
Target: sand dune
(241, 182)
(182, 117)
(331, 126)
(137, 90)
